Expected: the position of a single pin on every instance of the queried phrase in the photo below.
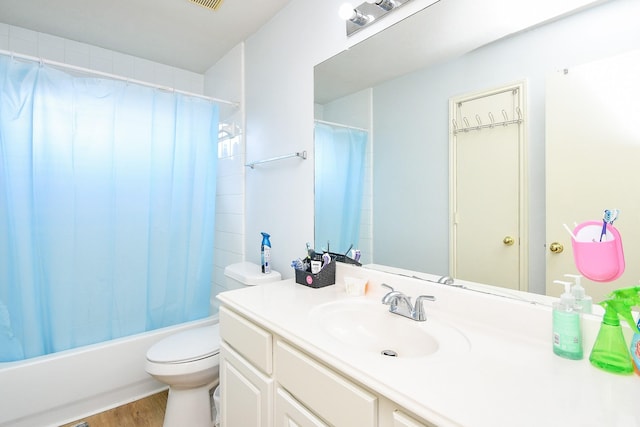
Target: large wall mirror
(405, 217)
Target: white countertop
(508, 377)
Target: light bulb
(347, 12)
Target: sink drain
(389, 353)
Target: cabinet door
(247, 394)
(291, 413)
(402, 420)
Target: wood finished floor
(147, 412)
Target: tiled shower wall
(27, 42)
(225, 80)
(222, 81)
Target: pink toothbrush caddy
(600, 261)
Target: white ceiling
(173, 32)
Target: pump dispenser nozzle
(583, 301)
(566, 298)
(610, 351)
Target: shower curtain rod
(113, 76)
(341, 125)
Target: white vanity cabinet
(267, 381)
(245, 371)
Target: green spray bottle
(610, 352)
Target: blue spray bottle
(265, 253)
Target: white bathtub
(62, 387)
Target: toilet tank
(246, 273)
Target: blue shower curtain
(107, 199)
(339, 183)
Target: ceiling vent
(209, 4)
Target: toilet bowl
(187, 362)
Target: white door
(593, 161)
(488, 238)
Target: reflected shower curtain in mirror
(339, 183)
(107, 199)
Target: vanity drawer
(252, 342)
(332, 397)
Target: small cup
(355, 286)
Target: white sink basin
(365, 325)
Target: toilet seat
(186, 346)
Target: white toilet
(188, 361)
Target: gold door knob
(508, 241)
(556, 247)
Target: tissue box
(325, 277)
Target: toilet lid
(186, 346)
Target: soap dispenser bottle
(567, 328)
(583, 301)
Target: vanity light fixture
(359, 17)
(353, 15)
(386, 5)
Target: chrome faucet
(445, 280)
(400, 303)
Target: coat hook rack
(301, 154)
(468, 127)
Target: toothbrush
(608, 218)
(348, 250)
(569, 231)
(326, 259)
(604, 223)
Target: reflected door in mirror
(487, 145)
